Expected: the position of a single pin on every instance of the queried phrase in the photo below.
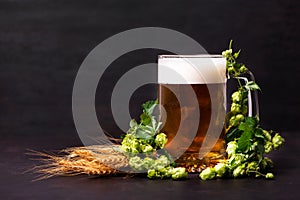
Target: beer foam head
(191, 69)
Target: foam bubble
(191, 69)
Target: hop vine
(247, 142)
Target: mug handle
(255, 93)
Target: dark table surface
(14, 184)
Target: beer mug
(192, 107)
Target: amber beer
(192, 99)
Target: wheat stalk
(91, 160)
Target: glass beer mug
(192, 107)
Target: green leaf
(153, 122)
(230, 64)
(149, 129)
(243, 126)
(122, 136)
(251, 85)
(149, 106)
(133, 123)
(158, 126)
(232, 134)
(155, 125)
(249, 124)
(145, 119)
(251, 121)
(244, 143)
(259, 133)
(132, 130)
(237, 65)
(142, 133)
(260, 151)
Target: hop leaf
(244, 142)
(149, 106)
(251, 85)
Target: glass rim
(190, 56)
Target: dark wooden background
(42, 44)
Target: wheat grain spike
(91, 160)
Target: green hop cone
(134, 147)
(146, 148)
(163, 172)
(207, 174)
(160, 172)
(136, 163)
(227, 53)
(126, 143)
(237, 159)
(252, 166)
(239, 171)
(240, 117)
(237, 96)
(231, 148)
(179, 173)
(162, 161)
(125, 148)
(230, 69)
(268, 147)
(148, 163)
(243, 69)
(267, 135)
(235, 108)
(169, 171)
(220, 169)
(130, 144)
(269, 176)
(236, 120)
(151, 173)
(233, 121)
(161, 140)
(277, 141)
